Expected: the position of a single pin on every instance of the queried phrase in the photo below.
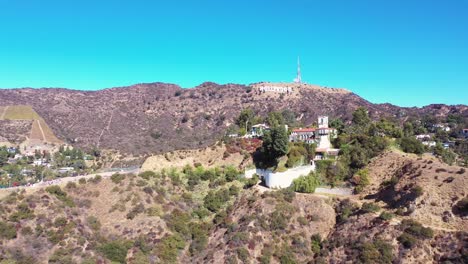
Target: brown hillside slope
(158, 117)
(442, 186)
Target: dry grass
(21, 112)
(207, 157)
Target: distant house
(306, 135)
(258, 130)
(429, 143)
(65, 169)
(465, 132)
(442, 127)
(423, 137)
(11, 150)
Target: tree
(306, 184)
(289, 117)
(245, 119)
(411, 145)
(361, 117)
(275, 119)
(338, 124)
(408, 129)
(275, 143)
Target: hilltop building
(321, 136)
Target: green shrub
(243, 254)
(96, 179)
(93, 223)
(302, 220)
(231, 174)
(61, 195)
(117, 178)
(370, 208)
(386, 216)
(7, 231)
(306, 184)
(316, 243)
(22, 212)
(178, 221)
(199, 238)
(411, 145)
(60, 222)
(61, 256)
(361, 179)
(375, 252)
(417, 190)
(214, 201)
(412, 232)
(115, 250)
(71, 185)
(248, 183)
(407, 240)
(136, 210)
(234, 190)
(168, 248)
(82, 181)
(147, 175)
(344, 210)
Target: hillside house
(306, 135)
(258, 130)
(321, 136)
(465, 132)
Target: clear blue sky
(403, 52)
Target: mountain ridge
(158, 117)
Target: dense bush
(344, 210)
(22, 212)
(61, 195)
(214, 201)
(117, 178)
(411, 145)
(386, 216)
(306, 184)
(361, 180)
(115, 250)
(412, 231)
(178, 221)
(375, 252)
(7, 231)
(316, 243)
(168, 248)
(370, 208)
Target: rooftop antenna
(298, 78)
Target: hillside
(157, 117)
(204, 216)
(21, 123)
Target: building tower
(298, 77)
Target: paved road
(334, 191)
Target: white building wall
(280, 179)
